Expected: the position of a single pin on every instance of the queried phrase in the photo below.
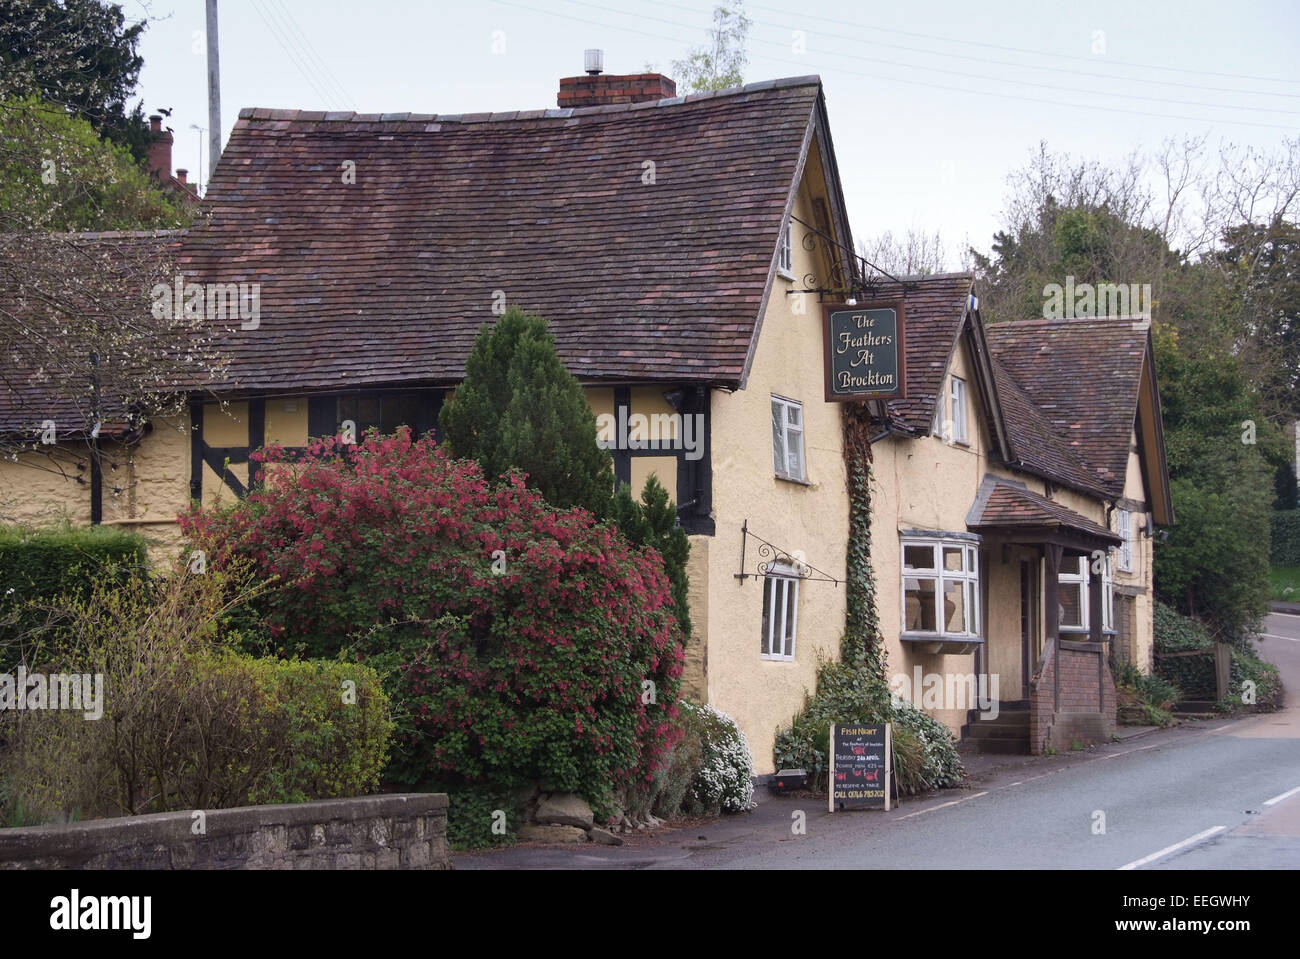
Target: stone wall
(399, 831)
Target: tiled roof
(933, 309)
(1001, 503)
(51, 290)
(1084, 376)
(1035, 445)
(388, 279)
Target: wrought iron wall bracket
(775, 554)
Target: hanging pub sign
(860, 767)
(865, 352)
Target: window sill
(792, 479)
(948, 645)
(782, 274)
(775, 659)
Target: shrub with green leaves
(1175, 633)
(724, 781)
(37, 565)
(652, 523)
(1284, 544)
(517, 642)
(187, 722)
(925, 749)
(1144, 698)
(473, 809)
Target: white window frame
(968, 576)
(957, 410)
(1085, 579)
(780, 608)
(785, 253)
(1124, 527)
(786, 428)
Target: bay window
(941, 586)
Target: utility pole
(214, 92)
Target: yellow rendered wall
(763, 694)
(286, 421)
(930, 484)
(41, 488)
(145, 486)
(1143, 572)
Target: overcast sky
(931, 104)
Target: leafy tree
(519, 408)
(57, 174)
(1262, 262)
(1221, 326)
(80, 54)
(720, 63)
(1214, 565)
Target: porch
(1047, 612)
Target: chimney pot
(155, 122)
(593, 62)
(182, 173)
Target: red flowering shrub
(517, 639)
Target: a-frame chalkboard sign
(861, 766)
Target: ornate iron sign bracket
(776, 555)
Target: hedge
(181, 720)
(38, 565)
(43, 563)
(1174, 632)
(1285, 548)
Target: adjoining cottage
(672, 243)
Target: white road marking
(1286, 795)
(1289, 639)
(1135, 749)
(955, 802)
(1174, 848)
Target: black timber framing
(256, 435)
(196, 450)
(693, 480)
(694, 477)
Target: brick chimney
(181, 174)
(596, 88)
(160, 150)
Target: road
(1221, 794)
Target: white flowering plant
(724, 781)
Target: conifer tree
(519, 408)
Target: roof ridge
(552, 113)
(1070, 321)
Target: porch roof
(1006, 506)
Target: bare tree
(915, 252)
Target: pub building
(685, 250)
